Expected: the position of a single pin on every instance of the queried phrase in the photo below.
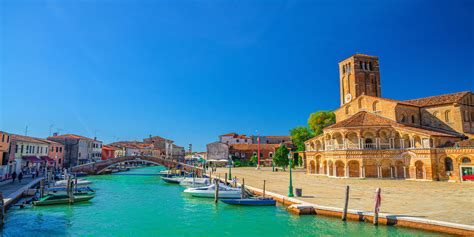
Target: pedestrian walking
(33, 173)
(20, 177)
(13, 176)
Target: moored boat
(195, 182)
(53, 199)
(209, 191)
(80, 183)
(173, 180)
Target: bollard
(346, 202)
(378, 201)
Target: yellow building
(423, 139)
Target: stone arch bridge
(101, 166)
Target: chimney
(149, 135)
(95, 138)
(55, 134)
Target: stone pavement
(443, 201)
(11, 191)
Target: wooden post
(378, 200)
(346, 203)
(263, 188)
(235, 184)
(70, 191)
(225, 182)
(242, 189)
(2, 210)
(41, 188)
(216, 194)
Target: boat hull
(210, 194)
(62, 199)
(172, 180)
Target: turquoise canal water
(131, 204)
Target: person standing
(13, 176)
(20, 177)
(33, 173)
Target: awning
(32, 159)
(48, 159)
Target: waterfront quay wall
(298, 207)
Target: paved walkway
(451, 202)
(12, 190)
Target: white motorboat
(209, 191)
(80, 183)
(195, 182)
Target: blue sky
(192, 70)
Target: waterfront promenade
(12, 191)
(432, 200)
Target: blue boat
(250, 201)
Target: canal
(131, 204)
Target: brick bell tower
(359, 75)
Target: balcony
(386, 144)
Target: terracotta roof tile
(253, 146)
(73, 136)
(15, 137)
(439, 99)
(366, 119)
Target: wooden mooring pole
(263, 188)
(346, 203)
(225, 179)
(41, 188)
(242, 189)
(235, 184)
(2, 210)
(378, 202)
(216, 194)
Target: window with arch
(436, 114)
(404, 118)
(348, 109)
(466, 160)
(375, 106)
(413, 118)
(447, 115)
(448, 164)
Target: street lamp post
(290, 187)
(230, 169)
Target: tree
(299, 135)
(319, 120)
(254, 159)
(281, 156)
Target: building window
(448, 164)
(8, 139)
(57, 149)
(413, 119)
(466, 160)
(446, 116)
(3, 137)
(237, 140)
(60, 149)
(22, 149)
(370, 66)
(375, 106)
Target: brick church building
(429, 138)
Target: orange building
(108, 152)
